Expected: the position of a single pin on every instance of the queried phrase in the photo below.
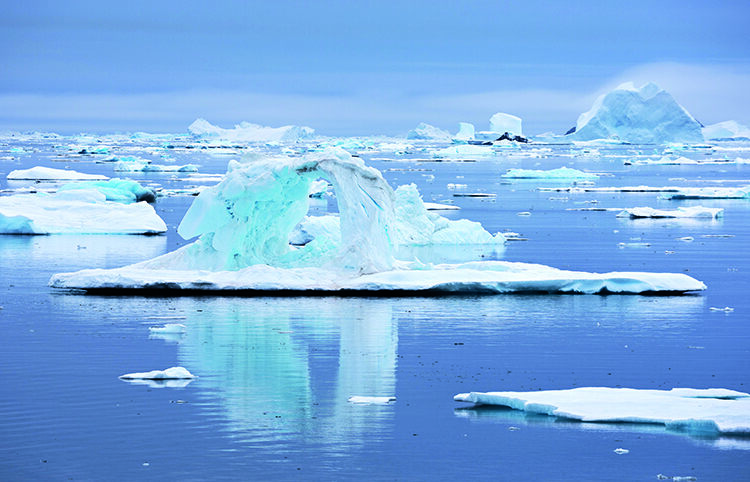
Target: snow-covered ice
(465, 132)
(500, 123)
(463, 151)
(40, 173)
(244, 225)
(429, 133)
(648, 115)
(116, 190)
(559, 173)
(173, 373)
(247, 132)
(81, 211)
(680, 212)
(144, 165)
(726, 130)
(710, 411)
(365, 400)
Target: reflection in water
(271, 365)
(516, 418)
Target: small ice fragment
(169, 328)
(621, 451)
(726, 309)
(523, 213)
(687, 239)
(173, 373)
(364, 400)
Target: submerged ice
(245, 223)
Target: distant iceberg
(556, 174)
(701, 411)
(465, 132)
(648, 115)
(247, 132)
(40, 173)
(502, 123)
(244, 225)
(428, 133)
(80, 211)
(726, 130)
(681, 212)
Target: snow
(648, 115)
(680, 212)
(81, 211)
(40, 173)
(465, 132)
(245, 222)
(501, 123)
(560, 173)
(247, 132)
(711, 411)
(427, 132)
(726, 130)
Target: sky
(360, 67)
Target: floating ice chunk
(427, 132)
(465, 132)
(726, 309)
(501, 123)
(681, 212)
(246, 220)
(679, 161)
(82, 211)
(677, 478)
(363, 400)
(441, 207)
(169, 328)
(40, 173)
(173, 373)
(463, 151)
(708, 193)
(648, 115)
(712, 411)
(726, 130)
(247, 132)
(560, 173)
(116, 190)
(621, 451)
(144, 165)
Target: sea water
(275, 374)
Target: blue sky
(358, 67)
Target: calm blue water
(276, 373)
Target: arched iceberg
(244, 225)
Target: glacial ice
(116, 190)
(40, 173)
(726, 130)
(465, 132)
(173, 373)
(144, 165)
(79, 211)
(681, 212)
(559, 173)
(501, 123)
(428, 133)
(701, 411)
(247, 132)
(244, 225)
(648, 115)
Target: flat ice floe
(245, 222)
(76, 212)
(710, 411)
(174, 377)
(555, 174)
(40, 173)
(681, 212)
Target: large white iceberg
(710, 411)
(79, 211)
(247, 132)
(465, 132)
(501, 123)
(427, 132)
(40, 173)
(244, 225)
(648, 115)
(726, 130)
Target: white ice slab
(173, 373)
(681, 212)
(365, 400)
(40, 173)
(712, 410)
(169, 329)
(559, 173)
(76, 211)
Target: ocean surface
(275, 374)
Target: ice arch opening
(248, 217)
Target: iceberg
(244, 225)
(79, 211)
(173, 373)
(40, 173)
(464, 152)
(727, 130)
(247, 132)
(681, 212)
(465, 132)
(116, 190)
(501, 123)
(701, 411)
(707, 193)
(427, 132)
(556, 174)
(144, 165)
(648, 115)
